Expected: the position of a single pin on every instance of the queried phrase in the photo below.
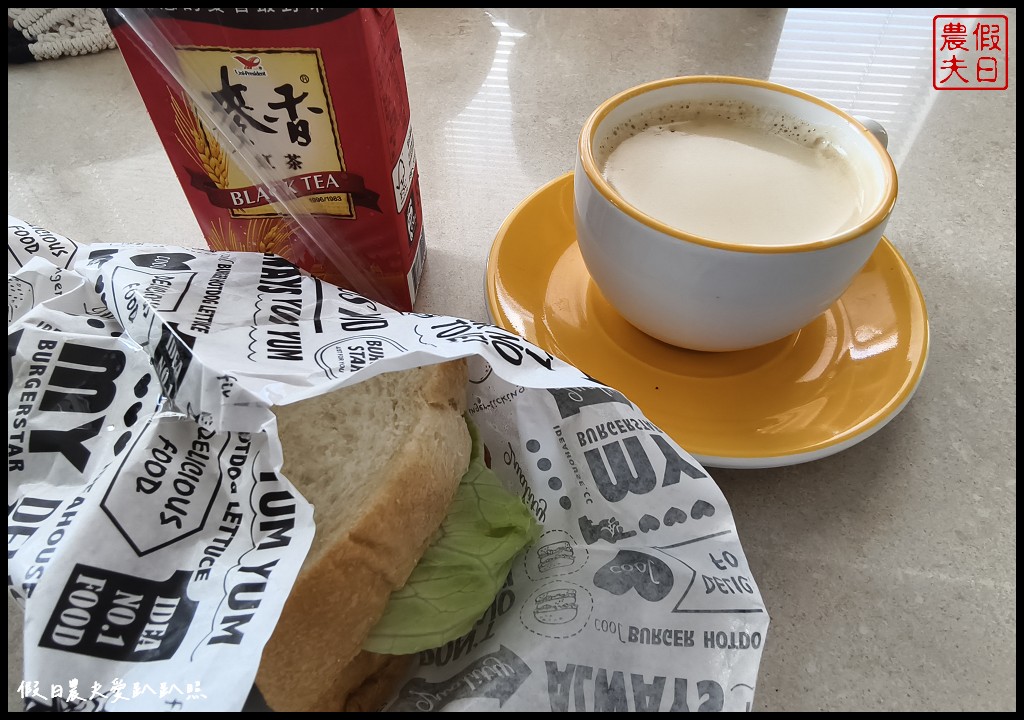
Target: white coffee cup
(750, 285)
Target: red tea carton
(289, 132)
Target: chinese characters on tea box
(232, 100)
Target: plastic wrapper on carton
(289, 131)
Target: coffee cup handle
(875, 128)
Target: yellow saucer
(807, 396)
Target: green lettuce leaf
(463, 570)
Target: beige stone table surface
(889, 569)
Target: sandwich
(414, 537)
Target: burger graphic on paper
(556, 606)
(554, 555)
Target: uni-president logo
(252, 65)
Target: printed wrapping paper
(152, 539)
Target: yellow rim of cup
(594, 174)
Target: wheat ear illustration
(198, 142)
(223, 236)
(269, 236)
